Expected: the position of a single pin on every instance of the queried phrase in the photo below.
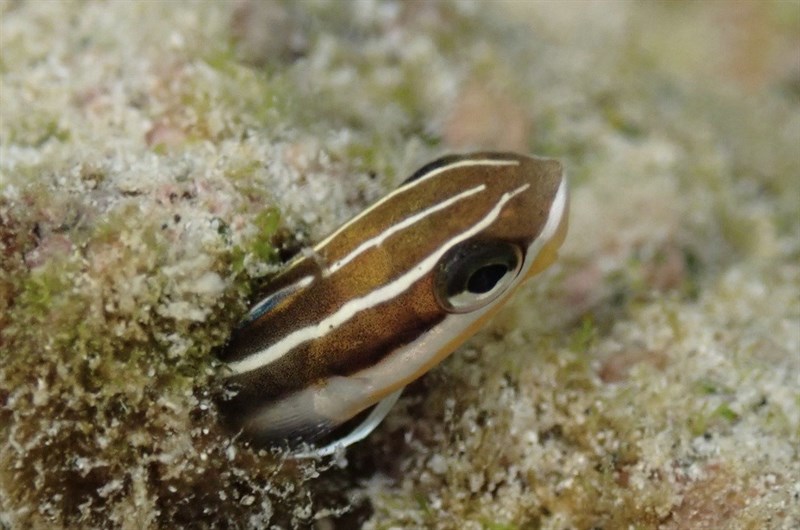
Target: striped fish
(388, 295)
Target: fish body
(347, 324)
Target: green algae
(622, 390)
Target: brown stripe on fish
(406, 279)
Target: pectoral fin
(291, 420)
(361, 431)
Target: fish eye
(474, 273)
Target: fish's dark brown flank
(366, 341)
(376, 267)
(352, 320)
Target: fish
(348, 323)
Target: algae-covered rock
(159, 160)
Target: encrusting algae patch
(159, 160)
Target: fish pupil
(475, 273)
(484, 279)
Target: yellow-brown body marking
(390, 294)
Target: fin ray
(360, 432)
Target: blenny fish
(383, 299)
